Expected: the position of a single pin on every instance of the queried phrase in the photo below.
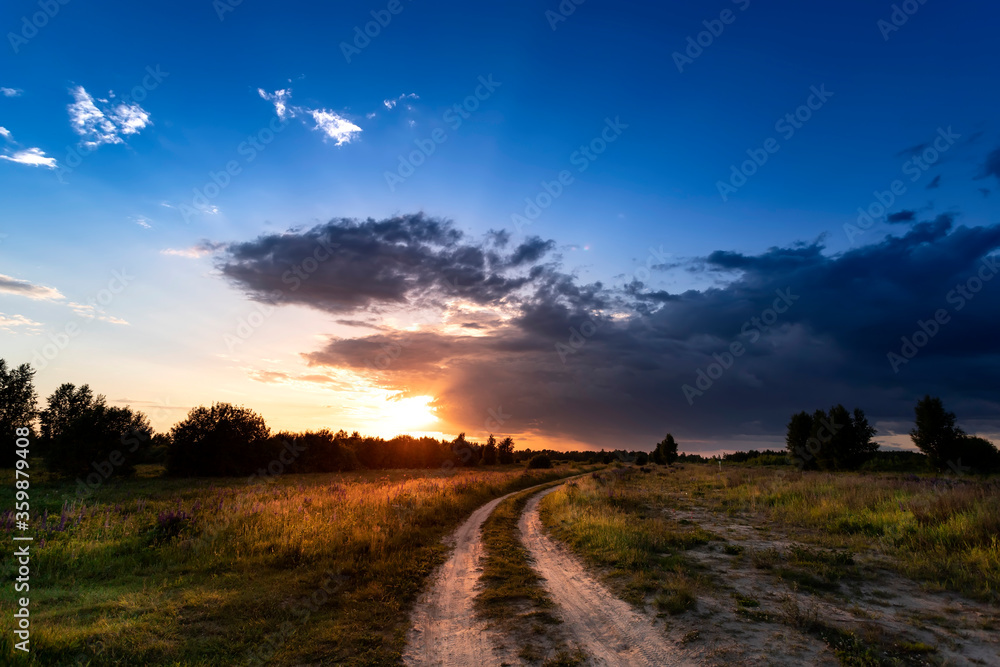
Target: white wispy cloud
(11, 322)
(143, 221)
(330, 123)
(390, 104)
(279, 98)
(97, 126)
(91, 312)
(334, 126)
(34, 157)
(195, 251)
(11, 92)
(11, 285)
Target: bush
(540, 461)
(224, 440)
(82, 435)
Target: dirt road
(445, 632)
(607, 628)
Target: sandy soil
(444, 629)
(963, 631)
(607, 628)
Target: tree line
(78, 434)
(838, 439)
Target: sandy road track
(607, 628)
(445, 631)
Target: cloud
(935, 183)
(279, 98)
(5, 133)
(198, 250)
(331, 124)
(606, 364)
(334, 126)
(11, 92)
(33, 157)
(902, 216)
(143, 222)
(9, 285)
(107, 125)
(991, 167)
(391, 104)
(409, 260)
(11, 322)
(92, 312)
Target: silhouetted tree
(490, 451)
(936, 434)
(666, 450)
(540, 461)
(641, 458)
(975, 454)
(505, 450)
(800, 429)
(222, 440)
(18, 403)
(85, 436)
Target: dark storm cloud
(991, 167)
(902, 216)
(607, 365)
(349, 265)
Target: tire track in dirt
(444, 630)
(610, 630)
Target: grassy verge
(615, 528)
(512, 596)
(307, 569)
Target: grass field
(224, 572)
(680, 540)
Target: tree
(223, 440)
(976, 454)
(800, 429)
(936, 434)
(641, 459)
(18, 406)
(83, 435)
(666, 450)
(540, 461)
(505, 450)
(490, 451)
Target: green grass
(512, 595)
(609, 520)
(306, 569)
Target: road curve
(444, 630)
(607, 628)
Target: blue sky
(131, 200)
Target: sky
(581, 224)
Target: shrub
(224, 440)
(540, 461)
